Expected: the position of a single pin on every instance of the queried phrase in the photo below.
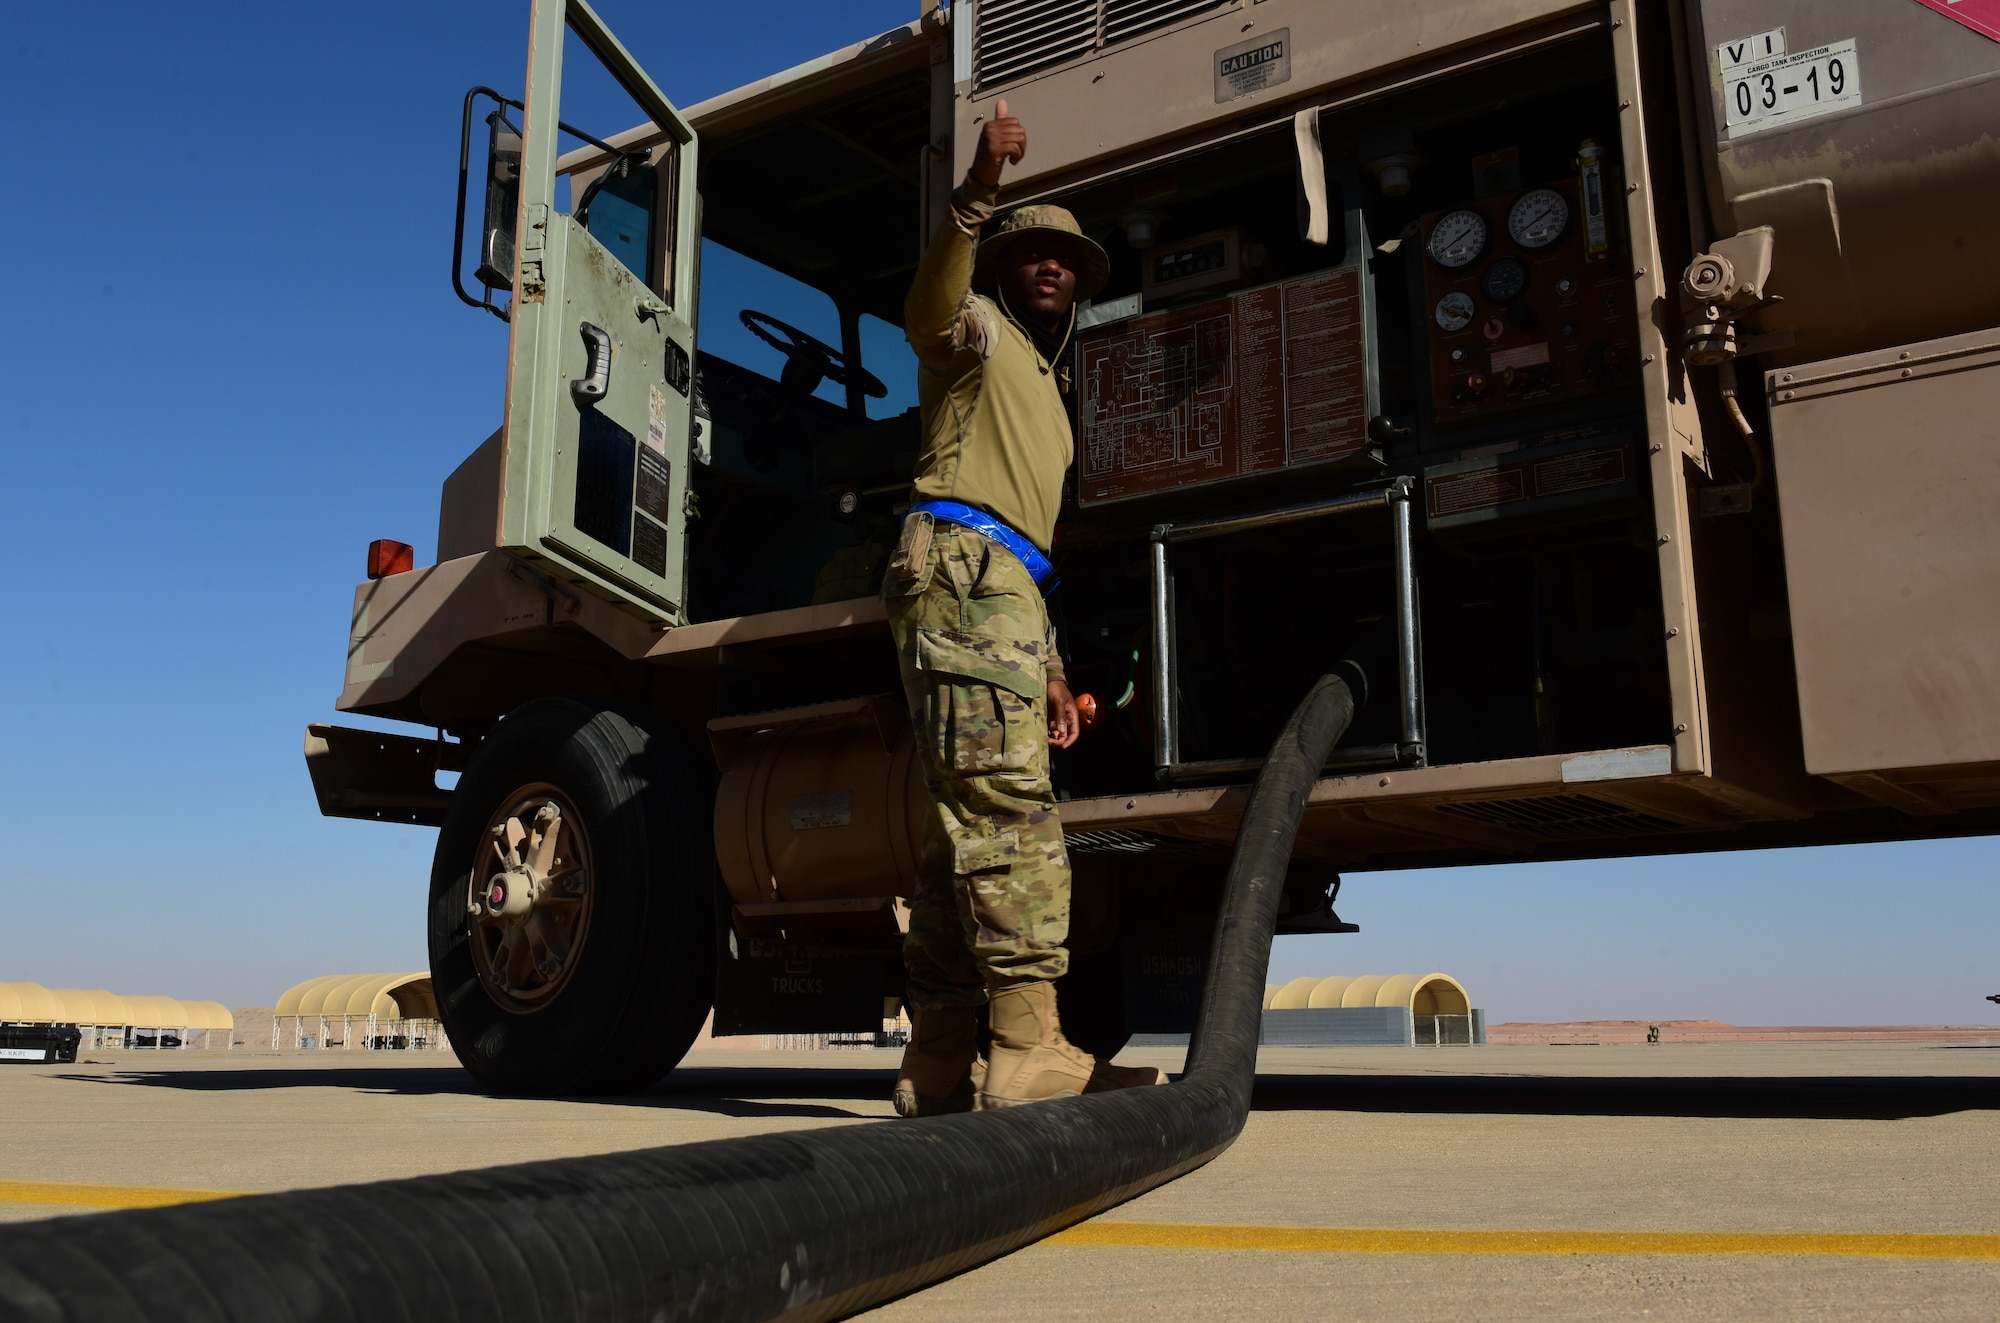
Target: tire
(603, 984)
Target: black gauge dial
(1538, 218)
(1458, 238)
(1504, 281)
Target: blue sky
(230, 358)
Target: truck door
(600, 366)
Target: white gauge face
(1458, 239)
(1538, 218)
(1454, 311)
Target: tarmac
(1770, 1180)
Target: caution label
(1253, 65)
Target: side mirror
(495, 267)
(503, 203)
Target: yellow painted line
(1306, 1240)
(1367, 1240)
(103, 1196)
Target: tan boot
(1106, 1077)
(941, 1070)
(1031, 1060)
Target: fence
(371, 1033)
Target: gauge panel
(1516, 315)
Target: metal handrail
(1408, 751)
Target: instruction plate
(1269, 378)
(1791, 87)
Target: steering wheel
(809, 356)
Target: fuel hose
(805, 1225)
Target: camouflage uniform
(991, 908)
(993, 886)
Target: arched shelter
(1371, 1009)
(378, 1010)
(107, 1019)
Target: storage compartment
(1468, 334)
(1888, 465)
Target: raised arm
(934, 313)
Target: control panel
(1527, 300)
(1224, 259)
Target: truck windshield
(731, 282)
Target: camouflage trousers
(991, 906)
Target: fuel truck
(1611, 385)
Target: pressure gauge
(1454, 311)
(1538, 218)
(1504, 281)
(1458, 238)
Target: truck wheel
(571, 920)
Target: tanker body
(1610, 387)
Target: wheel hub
(508, 895)
(528, 899)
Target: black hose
(805, 1225)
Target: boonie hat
(1051, 219)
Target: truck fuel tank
(818, 804)
(1863, 134)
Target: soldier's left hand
(1064, 724)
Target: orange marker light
(1086, 710)
(387, 556)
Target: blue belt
(966, 516)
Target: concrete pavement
(1779, 1181)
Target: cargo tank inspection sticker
(1785, 88)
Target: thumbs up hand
(1001, 142)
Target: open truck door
(600, 360)
(571, 917)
